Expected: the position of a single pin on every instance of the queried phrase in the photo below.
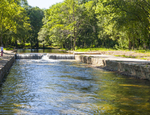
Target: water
(45, 57)
(35, 87)
(40, 51)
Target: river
(63, 87)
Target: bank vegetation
(74, 24)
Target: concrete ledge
(132, 67)
(5, 64)
(61, 56)
(29, 56)
(40, 55)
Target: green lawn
(109, 49)
(138, 54)
(96, 49)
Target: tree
(131, 17)
(36, 15)
(11, 14)
(98, 23)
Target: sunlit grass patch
(8, 48)
(94, 49)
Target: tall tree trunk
(74, 44)
(16, 43)
(2, 31)
(31, 44)
(133, 43)
(1, 39)
(37, 44)
(130, 44)
(74, 28)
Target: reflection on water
(40, 51)
(68, 87)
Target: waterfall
(45, 57)
(29, 56)
(61, 56)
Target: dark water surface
(40, 51)
(35, 87)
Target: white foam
(45, 57)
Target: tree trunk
(74, 44)
(31, 44)
(43, 46)
(37, 44)
(1, 40)
(130, 44)
(2, 31)
(16, 43)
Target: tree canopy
(19, 22)
(77, 23)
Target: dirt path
(6, 56)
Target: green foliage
(14, 22)
(75, 24)
(8, 48)
(36, 15)
(69, 24)
(94, 49)
(131, 19)
(19, 23)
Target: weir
(41, 55)
(61, 56)
(29, 56)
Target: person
(2, 51)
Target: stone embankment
(127, 66)
(6, 61)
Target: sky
(43, 3)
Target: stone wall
(136, 69)
(29, 56)
(5, 66)
(40, 55)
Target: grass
(9, 48)
(62, 49)
(137, 54)
(125, 56)
(110, 49)
(136, 57)
(94, 49)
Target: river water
(20, 51)
(35, 87)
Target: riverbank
(136, 54)
(6, 61)
(128, 66)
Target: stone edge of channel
(5, 66)
(137, 70)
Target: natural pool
(69, 87)
(20, 51)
